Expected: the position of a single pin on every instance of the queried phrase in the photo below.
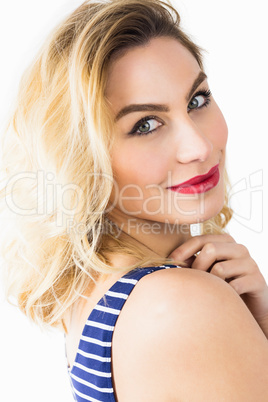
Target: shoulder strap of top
(106, 311)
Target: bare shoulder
(181, 327)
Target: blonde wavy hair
(57, 145)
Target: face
(158, 147)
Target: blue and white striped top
(91, 375)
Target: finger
(196, 243)
(246, 284)
(218, 270)
(189, 261)
(212, 252)
(231, 269)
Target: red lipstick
(199, 184)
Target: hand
(222, 256)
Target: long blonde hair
(57, 147)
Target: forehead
(151, 70)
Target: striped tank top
(91, 375)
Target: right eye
(145, 126)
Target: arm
(186, 335)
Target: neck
(157, 239)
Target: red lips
(199, 184)
(197, 179)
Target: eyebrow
(150, 107)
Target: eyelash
(206, 93)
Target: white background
(235, 34)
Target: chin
(211, 211)
(208, 208)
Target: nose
(193, 144)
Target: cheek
(218, 125)
(136, 164)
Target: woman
(124, 148)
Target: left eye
(194, 103)
(200, 100)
